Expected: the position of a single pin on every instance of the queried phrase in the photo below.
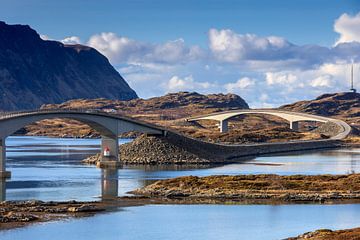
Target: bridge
(292, 117)
(110, 126)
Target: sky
(270, 52)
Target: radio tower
(352, 89)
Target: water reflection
(2, 189)
(109, 184)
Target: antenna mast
(352, 89)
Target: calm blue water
(50, 169)
(182, 222)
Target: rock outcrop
(34, 71)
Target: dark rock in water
(34, 71)
(85, 208)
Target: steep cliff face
(34, 71)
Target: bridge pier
(3, 172)
(112, 145)
(294, 125)
(223, 126)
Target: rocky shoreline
(296, 188)
(14, 214)
(323, 234)
(21, 213)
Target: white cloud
(280, 78)
(228, 46)
(124, 50)
(240, 84)
(322, 81)
(44, 37)
(71, 40)
(348, 27)
(176, 84)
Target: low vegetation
(264, 186)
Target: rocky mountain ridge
(34, 71)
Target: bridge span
(110, 126)
(292, 117)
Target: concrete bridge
(108, 125)
(292, 117)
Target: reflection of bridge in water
(109, 185)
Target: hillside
(34, 71)
(170, 111)
(345, 106)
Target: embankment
(178, 149)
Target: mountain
(35, 71)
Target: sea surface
(50, 169)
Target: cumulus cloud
(187, 83)
(322, 81)
(252, 51)
(348, 27)
(228, 46)
(71, 40)
(124, 50)
(240, 84)
(279, 78)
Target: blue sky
(300, 21)
(209, 46)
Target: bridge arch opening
(108, 126)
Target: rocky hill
(345, 106)
(34, 71)
(181, 102)
(169, 110)
(346, 103)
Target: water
(194, 222)
(50, 169)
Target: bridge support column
(3, 172)
(111, 160)
(223, 126)
(294, 126)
